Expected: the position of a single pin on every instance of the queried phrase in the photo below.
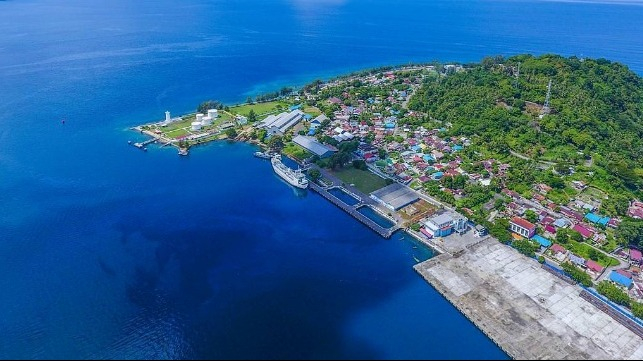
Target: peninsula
(524, 172)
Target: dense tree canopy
(596, 111)
(630, 231)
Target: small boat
(129, 142)
(263, 155)
(416, 259)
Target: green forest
(594, 123)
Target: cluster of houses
(630, 279)
(426, 155)
(577, 215)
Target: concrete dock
(352, 210)
(527, 311)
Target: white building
(279, 124)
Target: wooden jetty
(384, 232)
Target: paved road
(542, 164)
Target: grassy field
(296, 151)
(314, 111)
(259, 108)
(176, 133)
(583, 250)
(592, 192)
(609, 246)
(365, 181)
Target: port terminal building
(280, 123)
(313, 146)
(395, 196)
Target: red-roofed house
(522, 227)
(584, 231)
(635, 256)
(594, 266)
(550, 229)
(613, 222)
(510, 193)
(542, 188)
(624, 273)
(547, 220)
(557, 248)
(572, 214)
(334, 100)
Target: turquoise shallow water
(110, 252)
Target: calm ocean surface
(109, 252)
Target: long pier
(384, 232)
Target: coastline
(500, 303)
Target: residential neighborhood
(564, 224)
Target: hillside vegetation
(595, 122)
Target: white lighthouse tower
(167, 116)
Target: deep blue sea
(110, 252)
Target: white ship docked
(293, 177)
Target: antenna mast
(545, 109)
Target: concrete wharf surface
(527, 311)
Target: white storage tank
(206, 120)
(199, 117)
(213, 113)
(196, 125)
(167, 117)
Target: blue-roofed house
(311, 132)
(594, 218)
(307, 116)
(428, 158)
(416, 148)
(315, 123)
(457, 148)
(295, 107)
(544, 242)
(437, 175)
(622, 278)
